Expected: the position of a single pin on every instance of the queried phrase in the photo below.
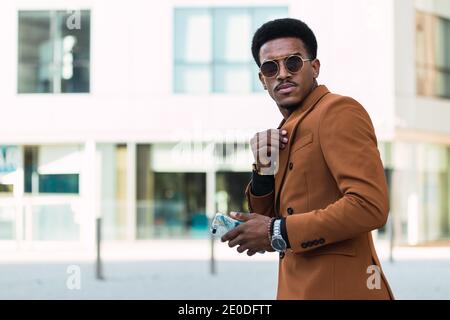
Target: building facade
(140, 113)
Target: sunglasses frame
(284, 61)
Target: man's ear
(315, 64)
(261, 78)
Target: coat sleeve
(349, 147)
(260, 204)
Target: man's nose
(283, 72)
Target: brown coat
(330, 186)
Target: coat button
(321, 241)
(304, 245)
(309, 243)
(290, 210)
(291, 165)
(315, 242)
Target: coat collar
(291, 124)
(309, 101)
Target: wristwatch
(277, 241)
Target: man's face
(288, 89)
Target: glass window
(46, 183)
(7, 222)
(6, 188)
(230, 191)
(58, 183)
(179, 203)
(193, 50)
(232, 78)
(55, 222)
(169, 203)
(446, 218)
(212, 48)
(420, 192)
(53, 51)
(432, 55)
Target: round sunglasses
(293, 64)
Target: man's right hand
(265, 146)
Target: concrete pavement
(182, 271)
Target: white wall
(355, 46)
(422, 115)
(130, 102)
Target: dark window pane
(54, 51)
(6, 188)
(30, 167)
(230, 186)
(58, 183)
(179, 204)
(35, 52)
(75, 53)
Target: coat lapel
(290, 124)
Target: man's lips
(285, 87)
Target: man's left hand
(252, 235)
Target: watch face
(278, 244)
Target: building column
(18, 192)
(210, 192)
(89, 194)
(131, 191)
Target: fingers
(262, 140)
(236, 241)
(230, 235)
(271, 137)
(283, 138)
(267, 152)
(241, 216)
(242, 248)
(239, 235)
(271, 134)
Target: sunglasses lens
(294, 64)
(269, 68)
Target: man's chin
(289, 103)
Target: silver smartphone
(222, 223)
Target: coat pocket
(302, 142)
(346, 248)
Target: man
(328, 190)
